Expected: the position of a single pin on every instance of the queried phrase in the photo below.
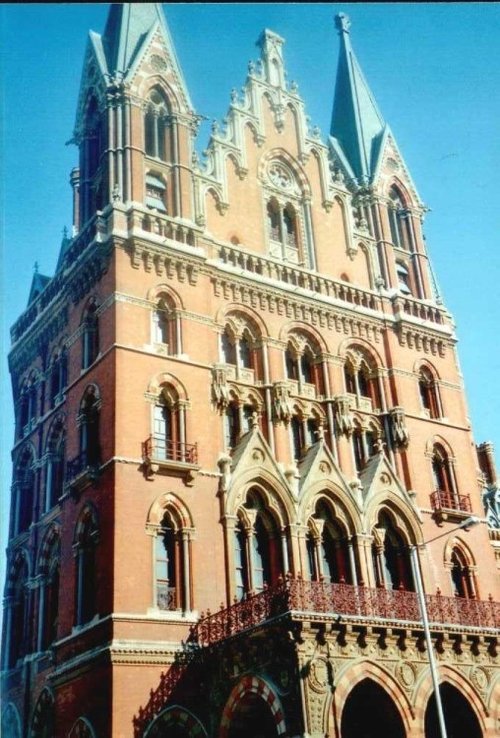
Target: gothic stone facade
(238, 406)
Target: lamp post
(417, 575)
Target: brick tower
(240, 419)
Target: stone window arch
(85, 545)
(90, 333)
(166, 324)
(362, 379)
(156, 124)
(43, 721)
(397, 213)
(304, 364)
(330, 555)
(429, 394)
(88, 421)
(25, 484)
(11, 722)
(28, 404)
(462, 570)
(442, 471)
(57, 375)
(173, 581)
(258, 547)
(17, 616)
(48, 603)
(82, 729)
(55, 459)
(391, 553)
(241, 346)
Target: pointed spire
(357, 123)
(127, 26)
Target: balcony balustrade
(82, 470)
(162, 456)
(297, 595)
(448, 505)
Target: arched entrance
(252, 718)
(369, 712)
(459, 717)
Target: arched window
(55, 466)
(156, 192)
(25, 490)
(28, 406)
(165, 325)
(303, 364)
(49, 593)
(391, 557)
(168, 431)
(428, 393)
(404, 282)
(86, 540)
(172, 543)
(88, 420)
(43, 722)
(232, 427)
(328, 548)
(442, 473)
(239, 347)
(462, 577)
(90, 335)
(18, 620)
(298, 435)
(58, 377)
(283, 231)
(257, 547)
(397, 220)
(156, 125)
(361, 380)
(11, 722)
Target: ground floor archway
(252, 718)
(370, 712)
(459, 716)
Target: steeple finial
(342, 22)
(357, 124)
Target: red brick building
(239, 412)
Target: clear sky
(434, 70)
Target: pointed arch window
(442, 472)
(25, 491)
(49, 595)
(362, 380)
(55, 467)
(429, 393)
(330, 553)
(462, 577)
(298, 435)
(239, 347)
(90, 335)
(283, 231)
(85, 547)
(303, 365)
(89, 421)
(155, 125)
(28, 406)
(364, 444)
(166, 326)
(58, 377)
(257, 547)
(391, 557)
(397, 220)
(17, 616)
(172, 543)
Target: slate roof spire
(357, 123)
(127, 26)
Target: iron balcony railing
(158, 448)
(340, 599)
(84, 462)
(441, 500)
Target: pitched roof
(357, 123)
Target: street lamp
(417, 575)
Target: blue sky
(432, 67)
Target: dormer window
(156, 191)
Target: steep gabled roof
(357, 123)
(38, 284)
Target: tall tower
(238, 412)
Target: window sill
(178, 616)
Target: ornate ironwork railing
(441, 500)
(160, 449)
(340, 599)
(166, 597)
